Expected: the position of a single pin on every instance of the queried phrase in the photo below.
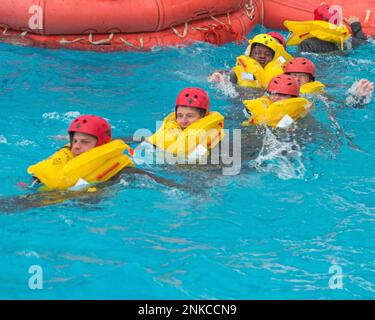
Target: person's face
(82, 142)
(185, 116)
(274, 97)
(301, 77)
(262, 54)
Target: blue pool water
(299, 208)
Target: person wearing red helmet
(192, 129)
(91, 157)
(280, 106)
(87, 132)
(302, 69)
(331, 16)
(191, 105)
(282, 87)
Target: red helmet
(92, 125)
(193, 98)
(284, 84)
(322, 12)
(278, 36)
(302, 65)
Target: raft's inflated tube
(100, 16)
(125, 25)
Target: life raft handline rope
(133, 45)
(184, 33)
(99, 42)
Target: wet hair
(311, 78)
(71, 137)
(202, 112)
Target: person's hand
(351, 20)
(364, 89)
(216, 77)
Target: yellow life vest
(251, 74)
(62, 170)
(280, 114)
(323, 30)
(315, 87)
(197, 139)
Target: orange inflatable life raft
(125, 24)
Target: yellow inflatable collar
(280, 114)
(62, 170)
(323, 30)
(199, 137)
(314, 87)
(251, 74)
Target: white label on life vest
(248, 76)
(281, 59)
(247, 52)
(285, 122)
(79, 184)
(198, 152)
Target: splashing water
(335, 123)
(228, 88)
(282, 158)
(3, 139)
(65, 117)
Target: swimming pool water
(301, 206)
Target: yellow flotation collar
(198, 138)
(280, 114)
(251, 74)
(315, 87)
(323, 30)
(62, 170)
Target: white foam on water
(66, 117)
(282, 158)
(124, 183)
(174, 193)
(227, 88)
(3, 139)
(27, 253)
(371, 40)
(24, 143)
